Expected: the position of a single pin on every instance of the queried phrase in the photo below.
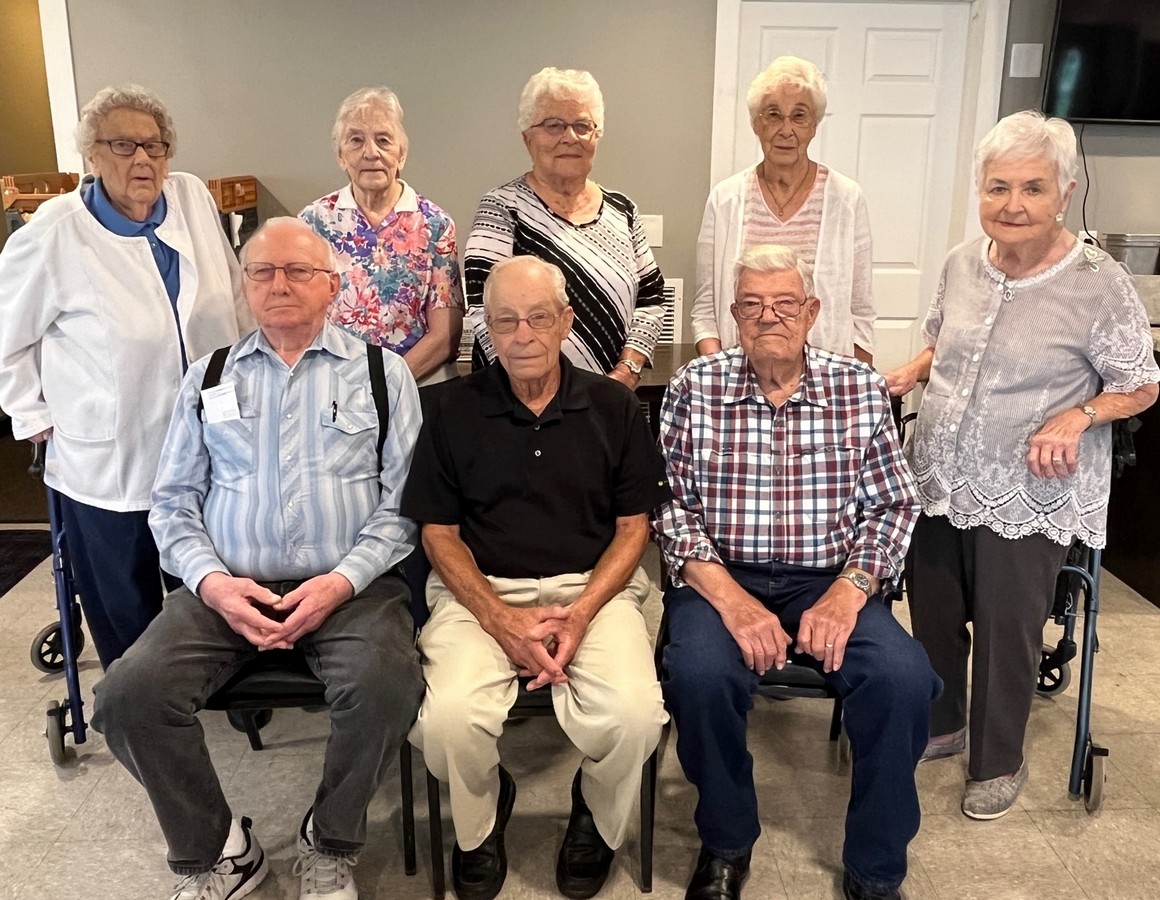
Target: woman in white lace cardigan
(1035, 344)
(788, 199)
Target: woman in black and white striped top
(555, 212)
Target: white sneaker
(231, 877)
(322, 876)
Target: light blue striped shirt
(291, 489)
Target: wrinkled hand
(901, 381)
(1054, 451)
(310, 604)
(521, 633)
(238, 601)
(758, 633)
(566, 634)
(826, 626)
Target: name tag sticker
(220, 404)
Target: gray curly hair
(362, 99)
(551, 83)
(129, 96)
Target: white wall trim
(62, 85)
(995, 17)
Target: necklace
(779, 208)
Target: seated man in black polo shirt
(532, 480)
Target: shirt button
(988, 320)
(537, 453)
(975, 358)
(954, 428)
(535, 428)
(966, 392)
(289, 415)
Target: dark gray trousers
(146, 706)
(1006, 587)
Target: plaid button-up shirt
(820, 481)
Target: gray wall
(1123, 160)
(253, 87)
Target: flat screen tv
(1104, 64)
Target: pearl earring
(1059, 217)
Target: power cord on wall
(1087, 185)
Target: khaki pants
(611, 709)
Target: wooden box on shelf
(26, 192)
(235, 193)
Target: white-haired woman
(1035, 343)
(396, 250)
(557, 213)
(106, 295)
(788, 199)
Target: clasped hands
(540, 640)
(267, 620)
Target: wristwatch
(1090, 412)
(632, 365)
(860, 581)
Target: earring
(1059, 217)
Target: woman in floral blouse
(396, 250)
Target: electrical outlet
(1088, 237)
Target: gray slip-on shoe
(941, 749)
(994, 797)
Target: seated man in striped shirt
(793, 504)
(277, 503)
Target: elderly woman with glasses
(106, 295)
(396, 249)
(788, 199)
(1035, 344)
(557, 213)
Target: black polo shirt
(534, 496)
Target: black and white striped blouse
(614, 285)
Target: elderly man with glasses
(277, 502)
(532, 482)
(792, 507)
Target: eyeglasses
(799, 118)
(299, 272)
(582, 128)
(537, 321)
(153, 149)
(783, 308)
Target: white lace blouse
(1008, 355)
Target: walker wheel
(54, 732)
(1052, 679)
(47, 651)
(1094, 777)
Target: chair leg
(409, 864)
(648, 793)
(435, 814)
(836, 719)
(249, 719)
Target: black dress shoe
(855, 890)
(585, 859)
(479, 874)
(717, 878)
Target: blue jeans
(146, 706)
(886, 684)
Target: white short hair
(551, 83)
(367, 98)
(772, 258)
(559, 286)
(331, 259)
(129, 96)
(792, 71)
(1028, 135)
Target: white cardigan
(842, 279)
(88, 342)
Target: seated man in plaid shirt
(793, 506)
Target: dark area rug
(20, 553)
(21, 495)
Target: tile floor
(87, 831)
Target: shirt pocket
(349, 439)
(231, 446)
(822, 480)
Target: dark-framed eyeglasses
(783, 307)
(299, 272)
(582, 128)
(537, 321)
(799, 118)
(125, 147)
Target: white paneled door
(895, 73)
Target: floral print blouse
(393, 275)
